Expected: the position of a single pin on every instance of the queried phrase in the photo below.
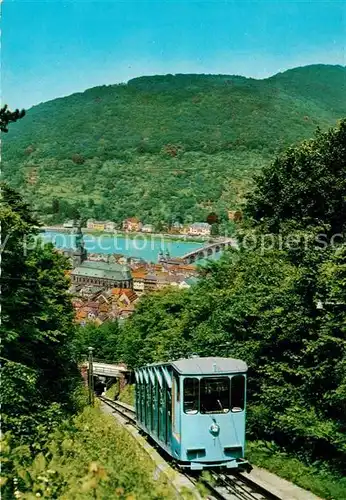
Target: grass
(113, 391)
(320, 481)
(127, 395)
(92, 457)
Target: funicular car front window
(238, 393)
(191, 389)
(215, 395)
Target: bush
(127, 395)
(88, 457)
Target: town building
(152, 277)
(147, 228)
(144, 281)
(124, 297)
(235, 215)
(95, 273)
(138, 280)
(162, 258)
(150, 282)
(110, 227)
(69, 224)
(168, 261)
(177, 228)
(101, 225)
(188, 282)
(96, 225)
(102, 274)
(132, 224)
(110, 305)
(90, 292)
(199, 229)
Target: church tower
(79, 253)
(160, 257)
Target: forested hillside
(279, 304)
(52, 445)
(165, 147)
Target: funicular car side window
(214, 395)
(237, 393)
(191, 390)
(177, 384)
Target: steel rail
(123, 409)
(250, 482)
(230, 486)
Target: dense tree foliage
(7, 117)
(104, 340)
(39, 373)
(306, 184)
(165, 147)
(126, 150)
(263, 309)
(281, 309)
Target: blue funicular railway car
(195, 410)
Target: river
(143, 246)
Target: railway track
(125, 410)
(222, 485)
(236, 487)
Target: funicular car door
(175, 421)
(168, 416)
(238, 401)
(167, 382)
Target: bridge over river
(208, 250)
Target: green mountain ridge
(168, 146)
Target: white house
(138, 285)
(199, 229)
(110, 227)
(69, 224)
(147, 228)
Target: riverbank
(135, 235)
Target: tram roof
(207, 366)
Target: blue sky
(53, 48)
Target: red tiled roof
(130, 294)
(77, 303)
(139, 275)
(132, 220)
(81, 314)
(92, 305)
(103, 316)
(103, 299)
(187, 267)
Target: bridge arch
(207, 250)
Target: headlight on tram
(214, 429)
